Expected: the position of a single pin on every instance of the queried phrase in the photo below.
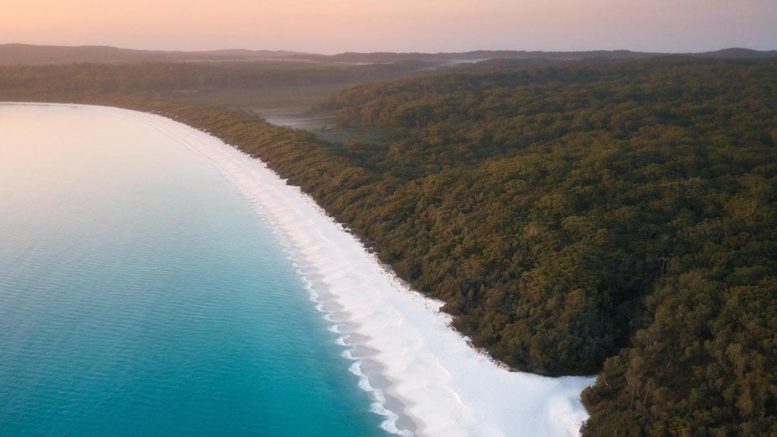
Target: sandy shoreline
(423, 376)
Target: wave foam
(440, 384)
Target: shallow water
(140, 294)
(423, 376)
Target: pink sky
(329, 26)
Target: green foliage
(618, 218)
(181, 79)
(568, 214)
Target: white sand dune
(424, 377)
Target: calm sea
(141, 295)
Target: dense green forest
(610, 217)
(192, 81)
(569, 216)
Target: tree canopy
(610, 217)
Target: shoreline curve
(423, 376)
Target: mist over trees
(621, 214)
(611, 217)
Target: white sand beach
(424, 377)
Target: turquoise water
(140, 294)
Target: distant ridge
(11, 54)
(478, 55)
(39, 55)
(740, 53)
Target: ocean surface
(141, 294)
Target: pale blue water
(140, 295)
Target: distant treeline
(162, 79)
(15, 54)
(618, 218)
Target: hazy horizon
(339, 52)
(334, 26)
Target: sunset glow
(328, 26)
